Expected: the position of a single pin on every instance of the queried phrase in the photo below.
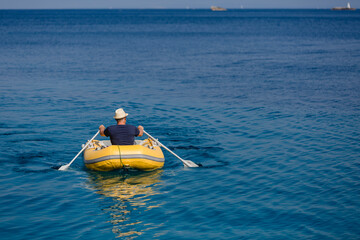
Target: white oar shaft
(67, 165)
(164, 146)
(87, 144)
(187, 163)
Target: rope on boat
(120, 156)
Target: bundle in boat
(144, 155)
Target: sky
(124, 4)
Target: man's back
(122, 134)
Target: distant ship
(348, 7)
(214, 8)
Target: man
(121, 134)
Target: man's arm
(141, 129)
(102, 129)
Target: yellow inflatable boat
(143, 155)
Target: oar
(186, 163)
(65, 167)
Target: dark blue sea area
(268, 101)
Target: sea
(267, 102)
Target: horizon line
(165, 9)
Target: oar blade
(189, 163)
(64, 168)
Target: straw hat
(119, 113)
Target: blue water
(268, 101)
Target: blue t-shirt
(122, 134)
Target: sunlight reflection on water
(125, 195)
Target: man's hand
(102, 129)
(141, 129)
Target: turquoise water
(266, 100)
